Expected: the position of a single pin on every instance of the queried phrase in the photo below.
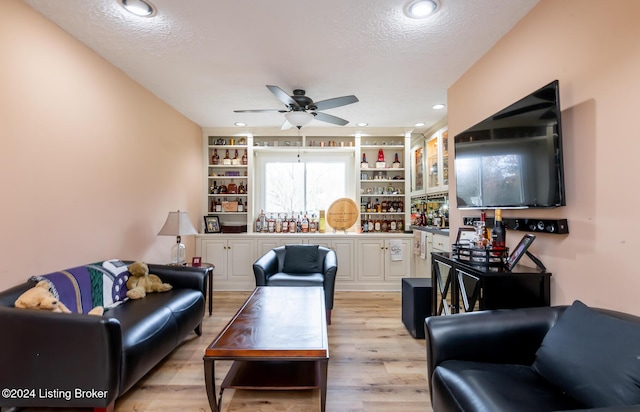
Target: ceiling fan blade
(335, 102)
(323, 117)
(261, 111)
(282, 96)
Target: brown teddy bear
(39, 297)
(141, 282)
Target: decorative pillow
(593, 357)
(301, 259)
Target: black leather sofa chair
(299, 265)
(105, 355)
(534, 359)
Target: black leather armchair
(482, 361)
(299, 265)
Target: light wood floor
(375, 365)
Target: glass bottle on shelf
(393, 225)
(215, 159)
(226, 160)
(278, 224)
(293, 225)
(396, 162)
(244, 157)
(400, 225)
(236, 159)
(364, 164)
(371, 224)
(222, 188)
(305, 224)
(365, 224)
(385, 224)
(377, 225)
(380, 155)
(240, 205)
(271, 224)
(218, 206)
(321, 222)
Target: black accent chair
(556, 358)
(299, 265)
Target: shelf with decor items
(228, 180)
(383, 185)
(437, 161)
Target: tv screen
(513, 159)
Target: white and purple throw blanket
(84, 287)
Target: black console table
(460, 287)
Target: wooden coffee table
(277, 340)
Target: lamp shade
(178, 224)
(298, 118)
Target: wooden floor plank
(375, 365)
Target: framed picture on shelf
(417, 168)
(466, 235)
(212, 224)
(196, 262)
(520, 250)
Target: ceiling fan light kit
(299, 118)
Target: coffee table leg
(210, 384)
(323, 384)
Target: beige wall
(592, 47)
(90, 162)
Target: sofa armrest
(182, 277)
(43, 350)
(330, 269)
(495, 336)
(264, 267)
(629, 408)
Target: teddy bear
(39, 297)
(141, 282)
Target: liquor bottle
(376, 207)
(263, 222)
(215, 159)
(236, 159)
(244, 157)
(377, 225)
(242, 189)
(365, 224)
(396, 162)
(213, 206)
(385, 224)
(423, 216)
(393, 225)
(384, 208)
(278, 224)
(305, 223)
(216, 189)
(372, 226)
(211, 188)
(285, 223)
(313, 224)
(380, 155)
(321, 223)
(499, 232)
(364, 164)
(259, 223)
(226, 160)
(483, 239)
(271, 224)
(293, 224)
(222, 188)
(218, 206)
(400, 225)
(240, 205)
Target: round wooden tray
(342, 214)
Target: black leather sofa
(534, 359)
(299, 265)
(77, 360)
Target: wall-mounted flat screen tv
(513, 159)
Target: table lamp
(178, 224)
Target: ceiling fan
(301, 109)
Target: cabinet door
(265, 245)
(440, 243)
(346, 264)
(397, 267)
(371, 259)
(241, 255)
(215, 251)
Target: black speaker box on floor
(416, 304)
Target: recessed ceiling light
(362, 124)
(419, 124)
(142, 8)
(419, 9)
(438, 106)
(240, 124)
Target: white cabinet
(433, 242)
(233, 260)
(378, 263)
(437, 161)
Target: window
(287, 183)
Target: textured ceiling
(207, 58)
